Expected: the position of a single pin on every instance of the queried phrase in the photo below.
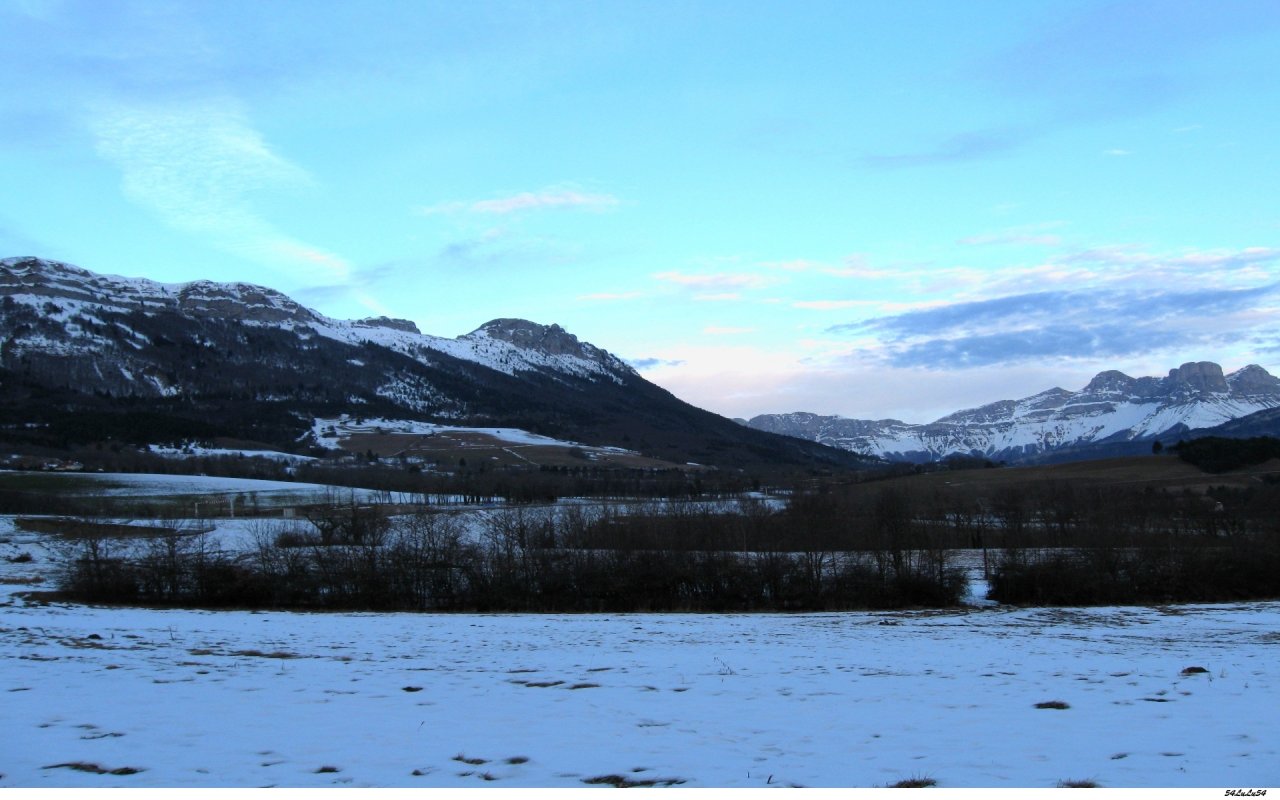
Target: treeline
(1216, 454)
(1059, 544)
(521, 559)
(828, 547)
(513, 485)
(1150, 573)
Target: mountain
(1114, 413)
(1259, 423)
(91, 358)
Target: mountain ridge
(1112, 407)
(141, 359)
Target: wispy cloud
(794, 265)
(552, 197)
(196, 164)
(720, 282)
(1053, 341)
(502, 246)
(643, 364)
(961, 147)
(833, 305)
(1069, 324)
(1216, 265)
(859, 268)
(605, 297)
(852, 266)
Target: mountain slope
(1113, 408)
(87, 357)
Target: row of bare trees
(829, 547)
(668, 557)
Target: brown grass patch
(84, 766)
(914, 782)
(1077, 784)
(89, 529)
(260, 654)
(620, 782)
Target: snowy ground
(129, 484)
(329, 432)
(196, 451)
(191, 698)
(264, 493)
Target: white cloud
(831, 305)
(713, 281)
(196, 164)
(794, 265)
(609, 296)
(857, 267)
(552, 197)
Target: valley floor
(191, 698)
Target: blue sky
(871, 209)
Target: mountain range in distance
(86, 357)
(1113, 415)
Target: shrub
(914, 782)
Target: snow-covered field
(197, 451)
(265, 493)
(142, 485)
(193, 698)
(330, 432)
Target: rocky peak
(26, 265)
(1110, 382)
(549, 345)
(30, 272)
(549, 339)
(992, 411)
(242, 301)
(1253, 379)
(1198, 376)
(408, 326)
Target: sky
(878, 210)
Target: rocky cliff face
(549, 344)
(1113, 407)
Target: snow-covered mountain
(1113, 407)
(87, 357)
(75, 297)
